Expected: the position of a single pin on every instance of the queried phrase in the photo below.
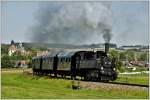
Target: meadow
(142, 79)
(16, 85)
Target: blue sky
(130, 22)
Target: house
(21, 63)
(42, 53)
(137, 47)
(12, 49)
(17, 48)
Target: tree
(34, 51)
(116, 55)
(119, 66)
(129, 55)
(4, 49)
(122, 56)
(6, 62)
(16, 56)
(143, 56)
(113, 54)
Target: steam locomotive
(90, 65)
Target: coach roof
(66, 54)
(38, 57)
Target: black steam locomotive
(93, 66)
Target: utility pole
(118, 56)
(126, 59)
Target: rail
(130, 84)
(119, 83)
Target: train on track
(90, 65)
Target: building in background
(17, 48)
(42, 53)
(12, 49)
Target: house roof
(12, 47)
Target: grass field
(142, 79)
(17, 85)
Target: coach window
(45, 60)
(66, 60)
(82, 56)
(49, 59)
(60, 60)
(63, 59)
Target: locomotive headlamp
(102, 68)
(106, 62)
(114, 69)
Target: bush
(119, 66)
(6, 62)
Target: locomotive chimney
(106, 47)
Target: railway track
(111, 85)
(129, 84)
(119, 83)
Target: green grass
(142, 79)
(18, 85)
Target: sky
(130, 22)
